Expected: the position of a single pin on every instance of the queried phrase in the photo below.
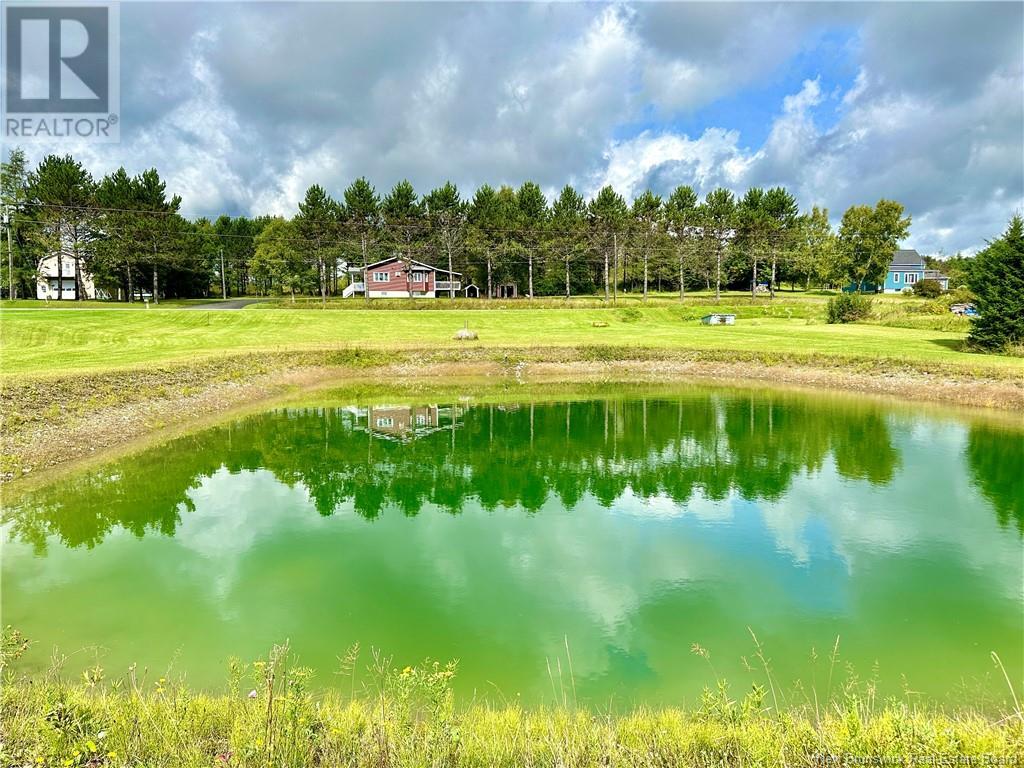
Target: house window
(421, 420)
(380, 277)
(385, 422)
(910, 278)
(417, 277)
(895, 277)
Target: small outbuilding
(471, 291)
(718, 319)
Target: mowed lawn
(59, 341)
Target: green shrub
(847, 308)
(959, 295)
(928, 288)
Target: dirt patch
(65, 420)
(70, 436)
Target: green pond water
(546, 546)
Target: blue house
(907, 268)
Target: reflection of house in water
(405, 422)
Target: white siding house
(50, 285)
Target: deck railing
(447, 285)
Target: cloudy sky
(242, 106)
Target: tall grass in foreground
(268, 716)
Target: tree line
(128, 234)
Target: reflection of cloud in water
(774, 521)
(605, 565)
(931, 503)
(661, 506)
(232, 513)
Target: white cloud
(707, 160)
(241, 107)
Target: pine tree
(997, 281)
(607, 215)
(565, 246)
(18, 269)
(318, 223)
(533, 215)
(446, 214)
(483, 236)
(362, 211)
(718, 221)
(403, 225)
(63, 193)
(681, 215)
(648, 222)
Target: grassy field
(96, 304)
(271, 714)
(62, 340)
(51, 724)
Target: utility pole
(615, 271)
(223, 277)
(10, 253)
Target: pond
(609, 550)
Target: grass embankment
(269, 716)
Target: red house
(389, 278)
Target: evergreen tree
(510, 224)
(484, 239)
(565, 246)
(718, 222)
(17, 274)
(158, 226)
(533, 216)
(753, 226)
(997, 280)
(781, 211)
(402, 216)
(362, 214)
(62, 192)
(446, 216)
(681, 222)
(318, 223)
(607, 214)
(648, 221)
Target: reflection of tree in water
(144, 494)
(996, 459)
(498, 455)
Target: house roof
(907, 257)
(415, 264)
